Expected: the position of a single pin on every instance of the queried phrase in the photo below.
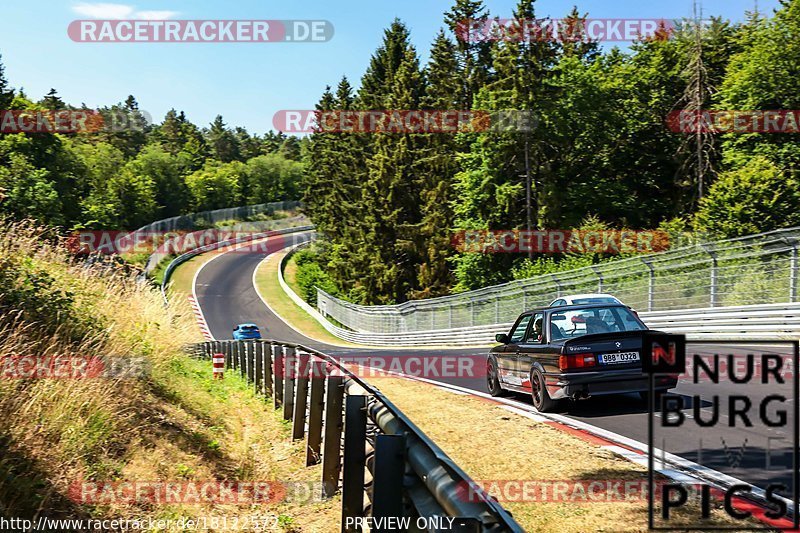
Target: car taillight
(577, 360)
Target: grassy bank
(269, 288)
(167, 423)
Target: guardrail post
(558, 285)
(243, 359)
(792, 270)
(388, 473)
(250, 351)
(333, 436)
(316, 405)
(599, 278)
(290, 372)
(355, 458)
(226, 349)
(301, 399)
(235, 354)
(713, 290)
(651, 284)
(267, 360)
(258, 366)
(278, 372)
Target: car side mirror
(502, 338)
(234, 329)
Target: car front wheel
(492, 380)
(541, 398)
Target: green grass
(268, 286)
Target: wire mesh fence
(246, 218)
(757, 269)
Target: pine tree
(437, 165)
(6, 92)
(52, 101)
(222, 142)
(389, 198)
(473, 56)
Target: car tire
(539, 395)
(492, 380)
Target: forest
(602, 155)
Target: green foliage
(130, 172)
(272, 178)
(216, 185)
(765, 75)
(35, 293)
(754, 198)
(310, 276)
(388, 204)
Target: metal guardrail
(758, 269)
(221, 244)
(778, 321)
(205, 219)
(366, 445)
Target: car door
(507, 357)
(527, 350)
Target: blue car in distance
(246, 332)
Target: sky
(247, 83)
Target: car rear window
(585, 301)
(578, 322)
(250, 328)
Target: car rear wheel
(492, 380)
(541, 398)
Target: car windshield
(578, 322)
(595, 300)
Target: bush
(754, 198)
(310, 276)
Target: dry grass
(491, 443)
(173, 424)
(182, 277)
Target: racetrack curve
(758, 455)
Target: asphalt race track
(757, 454)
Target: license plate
(616, 358)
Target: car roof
(249, 324)
(587, 295)
(575, 306)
